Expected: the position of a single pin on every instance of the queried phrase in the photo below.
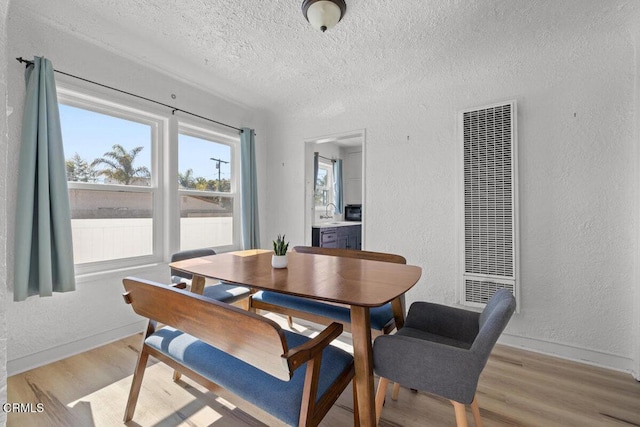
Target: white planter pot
(279, 261)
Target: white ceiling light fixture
(323, 14)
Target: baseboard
(31, 361)
(564, 351)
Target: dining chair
(442, 350)
(223, 292)
(382, 320)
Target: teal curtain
(43, 246)
(338, 193)
(316, 166)
(249, 184)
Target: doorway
(348, 146)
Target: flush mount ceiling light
(323, 14)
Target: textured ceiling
(267, 55)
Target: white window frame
(81, 98)
(195, 129)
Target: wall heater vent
(480, 291)
(490, 202)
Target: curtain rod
(173, 109)
(326, 158)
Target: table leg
(363, 359)
(398, 307)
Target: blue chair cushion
(281, 399)
(380, 316)
(221, 291)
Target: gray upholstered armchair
(442, 350)
(223, 292)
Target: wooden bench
(221, 346)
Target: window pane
(324, 184)
(322, 177)
(105, 149)
(205, 222)
(108, 225)
(203, 165)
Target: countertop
(336, 224)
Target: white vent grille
(479, 291)
(489, 201)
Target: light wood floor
(516, 388)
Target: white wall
(43, 329)
(636, 319)
(3, 207)
(577, 183)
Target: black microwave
(353, 213)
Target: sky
(92, 134)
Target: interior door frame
(308, 177)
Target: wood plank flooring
(517, 388)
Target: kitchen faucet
(326, 211)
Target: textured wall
(43, 328)
(569, 64)
(576, 121)
(3, 208)
(636, 321)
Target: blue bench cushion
(281, 399)
(221, 291)
(380, 316)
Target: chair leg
(356, 414)
(476, 411)
(461, 414)
(176, 376)
(290, 321)
(136, 384)
(396, 391)
(380, 394)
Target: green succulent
(280, 246)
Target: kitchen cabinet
(343, 237)
(352, 178)
(329, 238)
(349, 237)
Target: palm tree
(186, 180)
(120, 165)
(201, 183)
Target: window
(110, 152)
(207, 189)
(324, 185)
(142, 186)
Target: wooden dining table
(358, 283)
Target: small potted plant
(279, 257)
